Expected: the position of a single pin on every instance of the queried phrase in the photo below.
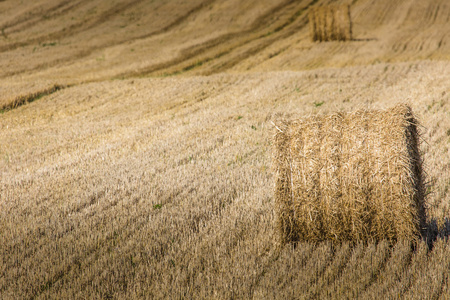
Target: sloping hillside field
(136, 142)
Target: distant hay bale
(349, 176)
(330, 23)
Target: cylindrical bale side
(283, 187)
(349, 176)
(330, 23)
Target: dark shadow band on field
(28, 98)
(435, 232)
(364, 40)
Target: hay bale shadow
(435, 231)
(364, 40)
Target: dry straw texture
(355, 176)
(330, 23)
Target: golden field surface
(136, 143)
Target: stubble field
(147, 172)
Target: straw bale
(330, 23)
(349, 176)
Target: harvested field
(68, 42)
(136, 140)
(350, 177)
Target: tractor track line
(64, 8)
(75, 28)
(192, 52)
(86, 52)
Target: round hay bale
(349, 176)
(330, 23)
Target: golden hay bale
(330, 23)
(349, 176)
